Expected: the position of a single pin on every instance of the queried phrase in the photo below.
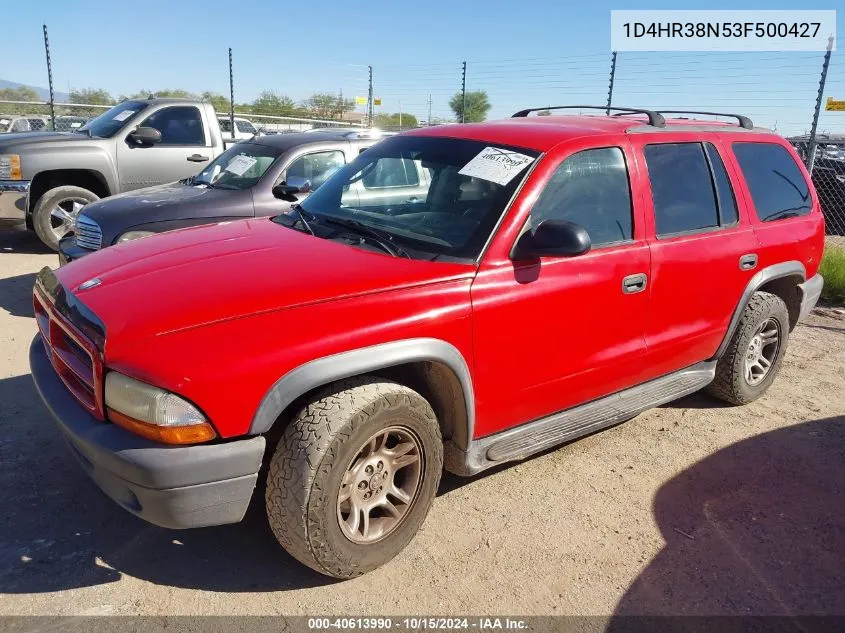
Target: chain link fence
(36, 116)
(828, 170)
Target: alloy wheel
(380, 485)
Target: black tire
(42, 220)
(311, 458)
(730, 383)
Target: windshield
(434, 194)
(113, 120)
(239, 167)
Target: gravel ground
(692, 508)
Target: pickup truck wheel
(755, 353)
(55, 214)
(354, 475)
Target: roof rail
(744, 122)
(654, 118)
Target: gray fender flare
(361, 361)
(776, 271)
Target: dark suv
(514, 285)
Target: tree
(393, 120)
(94, 96)
(270, 102)
(544, 113)
(217, 101)
(477, 106)
(176, 93)
(323, 105)
(22, 93)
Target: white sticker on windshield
(122, 116)
(240, 164)
(496, 165)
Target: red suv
(455, 297)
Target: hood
(208, 274)
(40, 138)
(173, 201)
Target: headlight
(133, 235)
(154, 413)
(10, 167)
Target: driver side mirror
(552, 238)
(287, 190)
(145, 136)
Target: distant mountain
(43, 93)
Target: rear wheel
(354, 475)
(755, 353)
(55, 214)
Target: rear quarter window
(778, 188)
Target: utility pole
(610, 87)
(370, 99)
(50, 79)
(463, 92)
(811, 158)
(400, 115)
(429, 111)
(231, 95)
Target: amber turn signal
(191, 434)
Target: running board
(534, 437)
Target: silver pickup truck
(46, 178)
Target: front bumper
(13, 199)
(170, 486)
(811, 290)
(69, 251)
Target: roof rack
(744, 122)
(654, 118)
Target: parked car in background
(46, 178)
(244, 129)
(263, 176)
(12, 123)
(550, 277)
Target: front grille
(74, 357)
(88, 233)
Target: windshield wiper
(381, 238)
(301, 215)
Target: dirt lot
(692, 508)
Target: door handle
(748, 262)
(633, 284)
(197, 158)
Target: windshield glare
(413, 188)
(239, 167)
(113, 120)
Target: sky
(523, 53)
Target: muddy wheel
(354, 475)
(755, 353)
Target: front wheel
(755, 353)
(55, 214)
(354, 475)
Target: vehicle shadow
(61, 532)
(757, 528)
(16, 239)
(16, 294)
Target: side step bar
(534, 437)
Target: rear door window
(681, 188)
(775, 181)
